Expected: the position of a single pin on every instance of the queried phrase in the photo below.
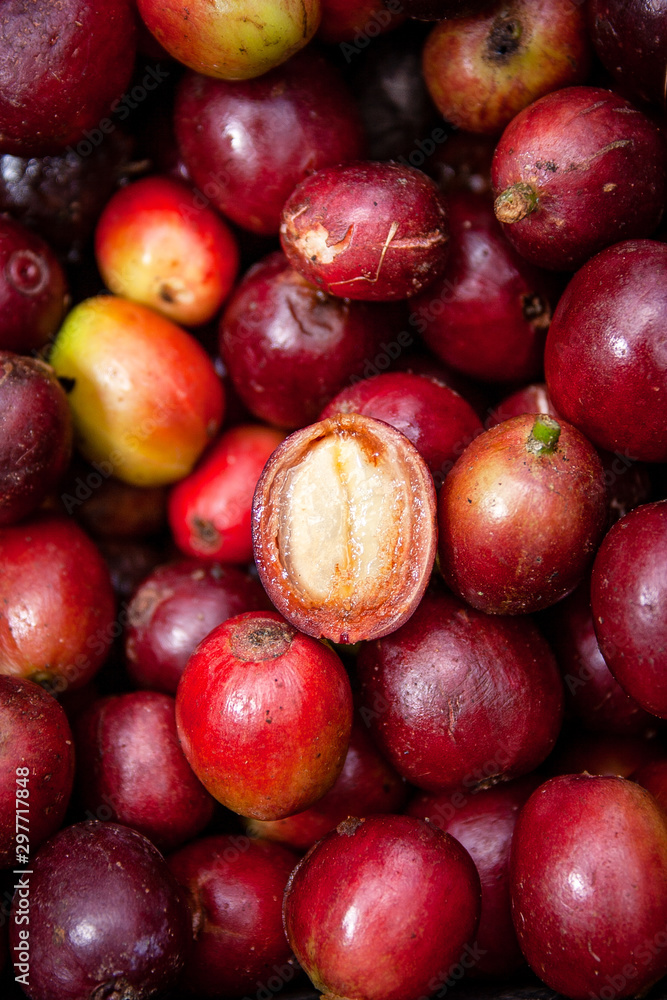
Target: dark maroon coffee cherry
(61, 66)
(629, 604)
(488, 314)
(35, 434)
(107, 917)
(132, 770)
(483, 820)
(33, 289)
(605, 356)
(382, 908)
(630, 38)
(459, 698)
(576, 171)
(236, 888)
(248, 143)
(289, 347)
(590, 901)
(367, 230)
(174, 608)
(60, 197)
(593, 695)
(36, 768)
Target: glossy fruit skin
(604, 356)
(589, 885)
(106, 891)
(132, 770)
(37, 758)
(593, 695)
(146, 399)
(155, 243)
(33, 289)
(605, 184)
(629, 39)
(232, 41)
(57, 606)
(518, 529)
(487, 316)
(366, 785)
(436, 419)
(174, 608)
(415, 895)
(455, 698)
(374, 231)
(290, 347)
(484, 824)
(372, 583)
(629, 604)
(266, 735)
(248, 144)
(35, 434)
(210, 510)
(62, 66)
(236, 887)
(482, 70)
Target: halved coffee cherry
(344, 529)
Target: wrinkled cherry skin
(210, 510)
(487, 316)
(367, 230)
(62, 65)
(132, 770)
(592, 693)
(630, 39)
(174, 608)
(366, 785)
(484, 824)
(589, 885)
(459, 698)
(517, 529)
(33, 289)
(236, 889)
(629, 604)
(264, 715)
(37, 739)
(57, 608)
(605, 357)
(415, 896)
(107, 917)
(247, 144)
(290, 347)
(35, 434)
(438, 421)
(596, 166)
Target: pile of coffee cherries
(333, 498)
